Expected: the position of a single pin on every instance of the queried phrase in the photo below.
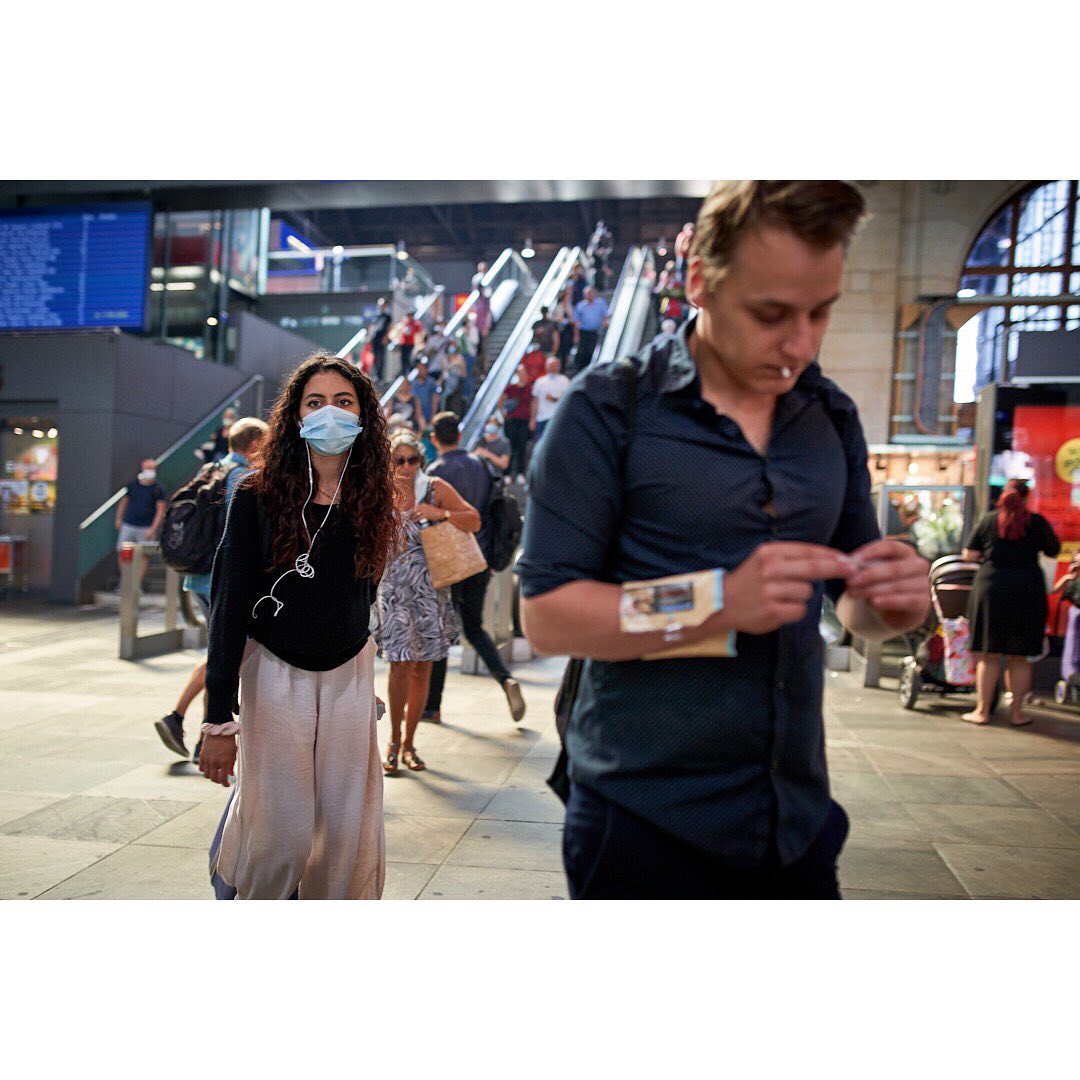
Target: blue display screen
(74, 268)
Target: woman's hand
(217, 758)
(427, 512)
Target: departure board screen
(74, 267)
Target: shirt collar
(682, 373)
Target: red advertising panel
(1050, 436)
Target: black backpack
(503, 526)
(195, 520)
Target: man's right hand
(217, 758)
(775, 584)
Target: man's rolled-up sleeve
(575, 488)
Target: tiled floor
(92, 805)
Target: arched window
(1030, 247)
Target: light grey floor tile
(860, 787)
(875, 894)
(880, 822)
(56, 776)
(1005, 826)
(192, 829)
(177, 780)
(896, 869)
(960, 790)
(17, 804)
(1058, 794)
(140, 872)
(536, 803)
(847, 758)
(31, 864)
(423, 795)
(465, 768)
(1015, 872)
(510, 845)
(405, 881)
(93, 818)
(917, 762)
(482, 883)
(422, 839)
(1037, 766)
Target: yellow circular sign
(1067, 461)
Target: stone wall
(913, 245)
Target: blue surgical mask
(492, 429)
(330, 430)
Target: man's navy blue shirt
(470, 478)
(725, 753)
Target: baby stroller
(940, 658)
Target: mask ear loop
(303, 566)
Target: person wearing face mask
(416, 620)
(307, 537)
(141, 510)
(494, 450)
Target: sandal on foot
(390, 765)
(412, 760)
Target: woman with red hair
(1008, 600)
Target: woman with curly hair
(416, 621)
(307, 537)
(1007, 609)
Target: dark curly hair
(367, 494)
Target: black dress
(1008, 600)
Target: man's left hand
(894, 581)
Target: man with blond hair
(721, 454)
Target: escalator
(506, 361)
(632, 313)
(510, 284)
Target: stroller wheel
(910, 683)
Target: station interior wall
(915, 244)
(116, 399)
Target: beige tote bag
(452, 555)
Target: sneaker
(433, 717)
(515, 699)
(171, 730)
(195, 755)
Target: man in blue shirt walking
(730, 457)
(592, 316)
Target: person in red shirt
(409, 330)
(517, 401)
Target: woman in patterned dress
(416, 622)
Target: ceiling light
(157, 287)
(338, 249)
(913, 468)
(211, 321)
(963, 294)
(402, 254)
(528, 251)
(1004, 244)
(180, 286)
(18, 430)
(38, 433)
(52, 433)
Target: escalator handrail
(610, 348)
(508, 265)
(632, 296)
(487, 397)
